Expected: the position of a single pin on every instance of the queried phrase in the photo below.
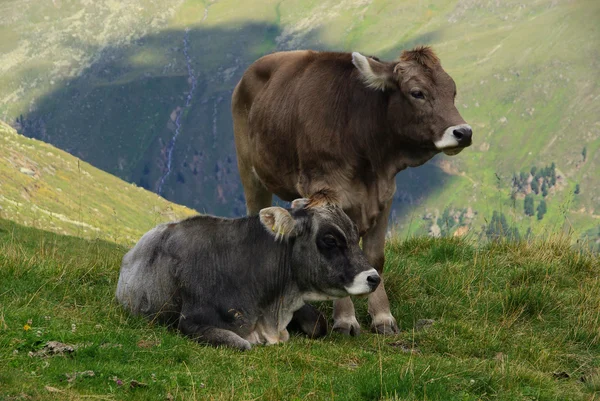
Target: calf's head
(421, 108)
(326, 259)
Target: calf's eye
(329, 241)
(417, 94)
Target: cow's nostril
(374, 280)
(463, 135)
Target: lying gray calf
(237, 282)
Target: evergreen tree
(533, 170)
(445, 222)
(514, 234)
(544, 189)
(523, 177)
(528, 205)
(541, 210)
(535, 186)
(499, 229)
(584, 153)
(577, 189)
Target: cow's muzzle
(364, 283)
(455, 138)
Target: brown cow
(306, 121)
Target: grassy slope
(69, 196)
(507, 318)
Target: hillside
(510, 322)
(47, 188)
(143, 91)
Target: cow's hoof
(385, 325)
(349, 327)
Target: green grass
(510, 320)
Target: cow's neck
(385, 157)
(406, 156)
(281, 296)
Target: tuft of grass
(516, 321)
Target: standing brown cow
(307, 121)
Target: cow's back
(289, 111)
(146, 284)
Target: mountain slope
(149, 99)
(47, 188)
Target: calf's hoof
(385, 325)
(347, 326)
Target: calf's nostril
(374, 280)
(458, 134)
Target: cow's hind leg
(310, 321)
(374, 247)
(257, 196)
(216, 336)
(213, 335)
(191, 324)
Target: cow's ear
(278, 221)
(299, 203)
(375, 74)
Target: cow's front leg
(344, 318)
(374, 247)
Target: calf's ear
(299, 203)
(277, 221)
(375, 74)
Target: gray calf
(237, 282)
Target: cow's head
(421, 107)
(327, 261)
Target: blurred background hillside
(142, 90)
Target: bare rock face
(27, 171)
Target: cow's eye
(417, 94)
(329, 241)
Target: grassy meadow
(513, 321)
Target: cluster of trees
(499, 229)
(450, 220)
(543, 179)
(536, 181)
(529, 209)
